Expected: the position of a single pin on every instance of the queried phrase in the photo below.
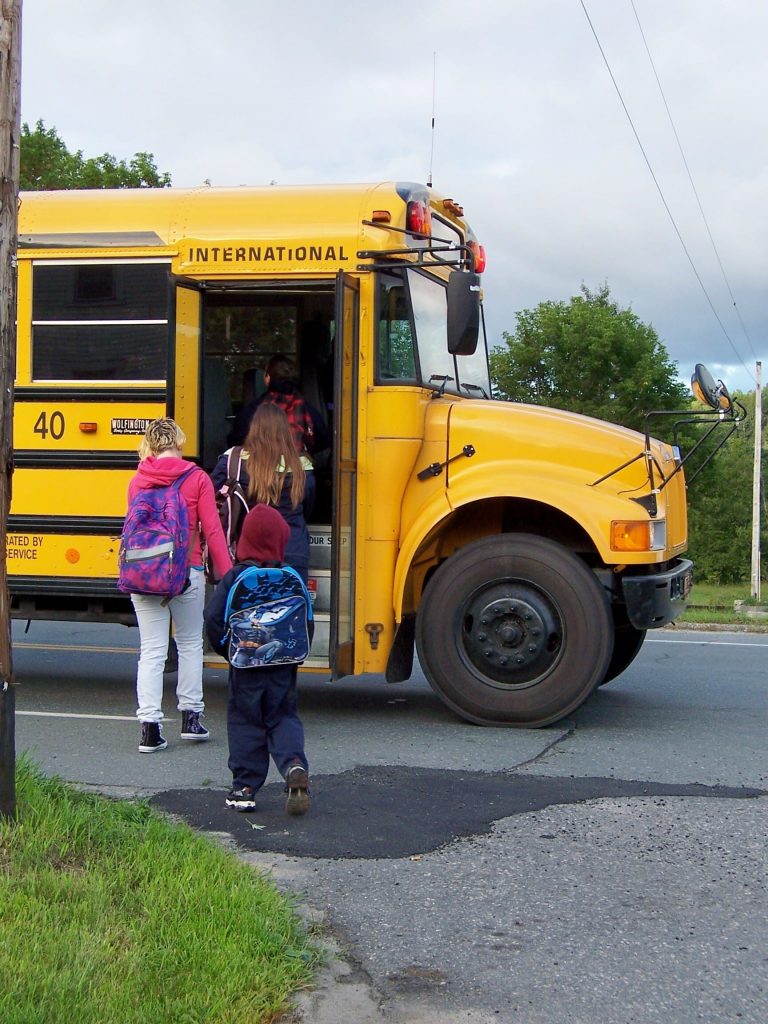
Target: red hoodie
(197, 491)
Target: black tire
(514, 630)
(627, 642)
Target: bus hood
(593, 470)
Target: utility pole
(10, 133)
(755, 576)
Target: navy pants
(261, 720)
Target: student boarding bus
(522, 551)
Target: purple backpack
(155, 543)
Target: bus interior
(243, 327)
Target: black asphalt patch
(392, 812)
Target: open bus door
(184, 364)
(342, 644)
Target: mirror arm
(691, 416)
(648, 453)
(613, 472)
(692, 422)
(468, 262)
(711, 455)
(734, 423)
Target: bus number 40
(53, 425)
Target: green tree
(587, 356)
(720, 506)
(46, 163)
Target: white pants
(154, 620)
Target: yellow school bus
(523, 552)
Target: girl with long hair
(273, 473)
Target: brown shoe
(297, 781)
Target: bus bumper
(653, 601)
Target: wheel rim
(512, 633)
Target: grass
(714, 603)
(113, 915)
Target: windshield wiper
(444, 380)
(474, 387)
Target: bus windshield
(413, 338)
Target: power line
(432, 142)
(661, 193)
(690, 179)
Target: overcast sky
(531, 137)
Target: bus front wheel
(514, 630)
(627, 642)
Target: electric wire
(690, 179)
(432, 142)
(661, 193)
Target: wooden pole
(755, 590)
(10, 134)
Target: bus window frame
(397, 273)
(441, 386)
(84, 262)
(403, 275)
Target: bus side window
(105, 321)
(395, 349)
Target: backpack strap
(193, 530)
(183, 476)
(233, 464)
(307, 598)
(176, 486)
(252, 566)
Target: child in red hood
(161, 463)
(262, 716)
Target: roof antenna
(432, 148)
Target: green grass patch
(714, 603)
(715, 616)
(714, 595)
(113, 915)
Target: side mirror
(708, 391)
(463, 312)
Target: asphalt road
(611, 868)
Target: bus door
(342, 652)
(184, 364)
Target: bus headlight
(638, 535)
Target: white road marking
(75, 647)
(719, 643)
(72, 714)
